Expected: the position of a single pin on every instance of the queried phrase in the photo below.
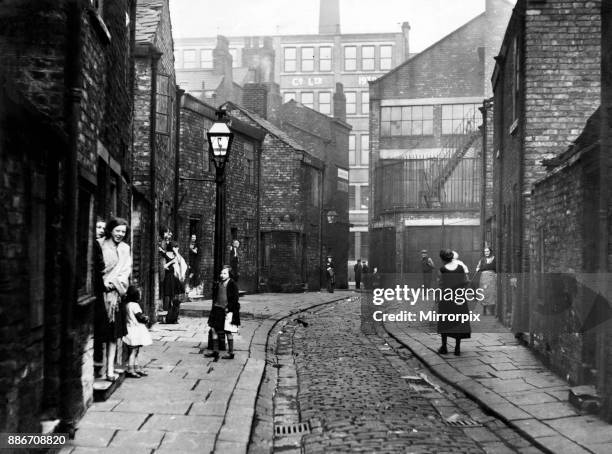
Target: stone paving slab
(189, 403)
(520, 388)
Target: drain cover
(287, 430)
(463, 422)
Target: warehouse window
(307, 59)
(367, 58)
(325, 59)
(365, 102)
(206, 58)
(351, 102)
(189, 59)
(325, 102)
(288, 96)
(386, 57)
(350, 58)
(290, 59)
(163, 104)
(459, 118)
(406, 121)
(308, 99)
(365, 149)
(352, 151)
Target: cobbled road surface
(351, 387)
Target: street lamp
(220, 139)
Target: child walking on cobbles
(137, 333)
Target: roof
(240, 75)
(211, 81)
(148, 16)
(265, 124)
(414, 57)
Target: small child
(137, 332)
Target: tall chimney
(329, 17)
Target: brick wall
(51, 49)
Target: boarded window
(163, 104)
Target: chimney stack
(329, 17)
(339, 102)
(406, 33)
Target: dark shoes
(141, 372)
(228, 356)
(132, 374)
(442, 350)
(214, 355)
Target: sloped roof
(265, 124)
(148, 16)
(210, 81)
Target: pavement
(188, 403)
(507, 379)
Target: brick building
(307, 68)
(567, 231)
(66, 75)
(155, 177)
(326, 139)
(546, 85)
(290, 200)
(242, 191)
(424, 148)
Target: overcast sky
(430, 20)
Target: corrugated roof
(272, 129)
(148, 15)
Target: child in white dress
(137, 333)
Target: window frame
(285, 94)
(287, 60)
(401, 118)
(187, 64)
(328, 60)
(329, 103)
(352, 103)
(384, 58)
(371, 60)
(208, 63)
(362, 150)
(168, 102)
(365, 104)
(311, 104)
(352, 149)
(351, 59)
(310, 67)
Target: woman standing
(452, 276)
(175, 270)
(194, 263)
(117, 269)
(488, 280)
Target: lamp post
(220, 139)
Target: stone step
(103, 388)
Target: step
(103, 388)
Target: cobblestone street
(366, 393)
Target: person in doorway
(224, 302)
(365, 275)
(487, 268)
(330, 273)
(115, 279)
(375, 278)
(194, 263)
(452, 276)
(137, 333)
(165, 237)
(233, 252)
(358, 268)
(427, 267)
(99, 308)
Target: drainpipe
(177, 159)
(258, 220)
(155, 56)
(74, 93)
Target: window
(459, 118)
(352, 155)
(307, 59)
(350, 58)
(178, 62)
(189, 59)
(365, 102)
(316, 187)
(406, 121)
(288, 96)
(351, 102)
(163, 104)
(367, 58)
(325, 102)
(235, 58)
(249, 156)
(308, 99)
(386, 57)
(352, 196)
(365, 149)
(364, 197)
(325, 59)
(206, 58)
(364, 244)
(290, 59)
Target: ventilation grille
(287, 430)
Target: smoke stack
(329, 17)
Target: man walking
(427, 266)
(358, 270)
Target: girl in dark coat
(452, 276)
